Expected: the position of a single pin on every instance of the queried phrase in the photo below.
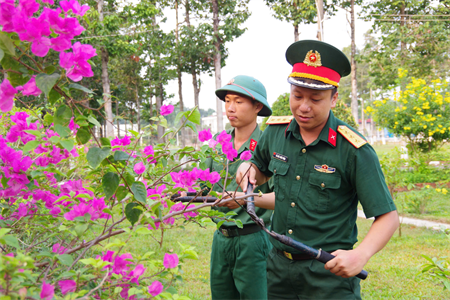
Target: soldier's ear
(334, 100)
(259, 106)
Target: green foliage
(417, 43)
(419, 113)
(438, 269)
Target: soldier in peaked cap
(237, 254)
(321, 168)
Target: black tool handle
(325, 257)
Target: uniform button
(293, 204)
(304, 150)
(298, 177)
(290, 231)
(275, 171)
(322, 185)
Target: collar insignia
(324, 169)
(253, 144)
(312, 59)
(280, 157)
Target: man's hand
(232, 204)
(346, 263)
(243, 177)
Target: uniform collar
(246, 146)
(326, 135)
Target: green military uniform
(238, 256)
(317, 188)
(238, 263)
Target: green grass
(392, 272)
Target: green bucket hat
(249, 87)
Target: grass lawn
(392, 272)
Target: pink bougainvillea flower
(148, 152)
(223, 137)
(51, 2)
(57, 248)
(7, 92)
(229, 151)
(214, 177)
(30, 88)
(76, 63)
(166, 110)
(170, 260)
(150, 226)
(72, 125)
(138, 271)
(139, 168)
(205, 135)
(7, 14)
(246, 155)
(73, 5)
(212, 143)
(47, 291)
(29, 7)
(67, 286)
(155, 288)
(61, 43)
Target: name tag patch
(280, 157)
(324, 169)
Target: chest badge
(280, 157)
(253, 144)
(324, 169)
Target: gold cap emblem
(312, 59)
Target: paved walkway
(416, 222)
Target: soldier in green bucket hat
(238, 255)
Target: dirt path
(416, 222)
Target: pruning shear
(319, 254)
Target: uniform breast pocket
(280, 170)
(321, 189)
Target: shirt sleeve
(370, 183)
(261, 155)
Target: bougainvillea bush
(66, 195)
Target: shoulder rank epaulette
(274, 120)
(351, 136)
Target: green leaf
(239, 223)
(55, 139)
(46, 82)
(129, 178)
(11, 241)
(178, 117)
(2, 54)
(121, 193)
(65, 259)
(4, 231)
(36, 133)
(143, 231)
(83, 135)
(135, 133)
(195, 117)
(121, 156)
(7, 45)
(5, 182)
(53, 96)
(80, 229)
(110, 183)
(49, 69)
(131, 213)
(77, 86)
(31, 145)
(62, 115)
(192, 126)
(63, 131)
(139, 191)
(67, 144)
(48, 119)
(105, 142)
(94, 121)
(96, 155)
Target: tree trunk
(159, 100)
(296, 33)
(320, 13)
(105, 81)
(117, 121)
(180, 84)
(353, 64)
(217, 63)
(138, 110)
(193, 66)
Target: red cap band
(324, 74)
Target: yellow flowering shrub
(420, 112)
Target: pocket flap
(324, 180)
(278, 167)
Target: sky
(260, 53)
